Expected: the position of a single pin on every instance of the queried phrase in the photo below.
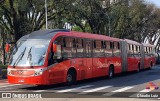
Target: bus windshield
(29, 53)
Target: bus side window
(56, 57)
(130, 50)
(108, 49)
(145, 50)
(116, 49)
(102, 49)
(67, 47)
(64, 42)
(80, 49)
(58, 42)
(98, 49)
(134, 49)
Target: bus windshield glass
(29, 53)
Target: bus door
(88, 57)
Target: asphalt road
(133, 86)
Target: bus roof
(50, 33)
(148, 45)
(86, 35)
(132, 42)
(43, 34)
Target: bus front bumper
(34, 80)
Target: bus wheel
(111, 72)
(71, 78)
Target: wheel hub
(69, 78)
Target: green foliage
(77, 28)
(4, 72)
(132, 19)
(3, 66)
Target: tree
(21, 18)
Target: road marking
(68, 90)
(123, 89)
(39, 91)
(118, 91)
(10, 85)
(3, 84)
(96, 89)
(146, 90)
(3, 81)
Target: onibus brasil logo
(152, 86)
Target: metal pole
(46, 13)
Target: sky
(156, 2)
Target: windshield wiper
(19, 57)
(30, 57)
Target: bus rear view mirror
(54, 48)
(7, 48)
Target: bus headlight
(8, 72)
(38, 73)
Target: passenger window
(56, 57)
(58, 42)
(131, 50)
(68, 49)
(80, 48)
(98, 50)
(108, 49)
(111, 45)
(116, 49)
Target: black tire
(111, 72)
(71, 78)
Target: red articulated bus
(56, 56)
(149, 55)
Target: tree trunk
(3, 47)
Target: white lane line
(146, 90)
(39, 91)
(3, 84)
(118, 91)
(68, 90)
(123, 89)
(10, 85)
(96, 89)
